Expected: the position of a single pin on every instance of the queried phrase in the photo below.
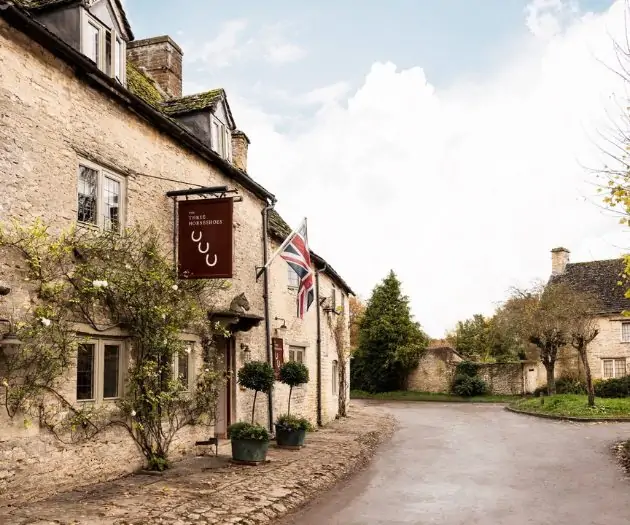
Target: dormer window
(221, 139)
(103, 46)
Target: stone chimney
(559, 260)
(240, 143)
(161, 58)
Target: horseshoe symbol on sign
(215, 260)
(192, 236)
(204, 251)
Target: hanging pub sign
(278, 354)
(205, 239)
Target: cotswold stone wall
(503, 378)
(435, 372)
(49, 121)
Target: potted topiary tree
(291, 430)
(250, 441)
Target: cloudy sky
(451, 141)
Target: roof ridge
(618, 259)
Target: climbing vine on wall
(87, 281)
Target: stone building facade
(115, 111)
(609, 353)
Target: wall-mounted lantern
(9, 343)
(280, 330)
(247, 353)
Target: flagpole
(279, 250)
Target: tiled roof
(192, 103)
(279, 229)
(35, 5)
(277, 226)
(142, 86)
(600, 279)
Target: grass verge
(426, 396)
(571, 405)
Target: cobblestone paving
(211, 490)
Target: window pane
(620, 367)
(119, 58)
(294, 280)
(91, 42)
(182, 368)
(108, 53)
(85, 372)
(625, 332)
(111, 204)
(300, 356)
(335, 373)
(216, 137)
(111, 371)
(87, 195)
(608, 368)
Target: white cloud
(283, 52)
(236, 42)
(325, 95)
(223, 49)
(461, 191)
(547, 18)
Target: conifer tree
(390, 341)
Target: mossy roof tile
(142, 86)
(192, 103)
(600, 279)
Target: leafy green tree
(390, 341)
(486, 339)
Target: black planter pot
(287, 438)
(251, 451)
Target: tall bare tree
(584, 330)
(541, 316)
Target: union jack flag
(298, 256)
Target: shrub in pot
(291, 430)
(250, 441)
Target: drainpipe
(265, 214)
(319, 348)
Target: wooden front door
(225, 347)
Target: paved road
(478, 464)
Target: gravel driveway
(479, 464)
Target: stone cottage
(94, 131)
(609, 352)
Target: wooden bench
(210, 441)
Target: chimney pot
(559, 260)
(161, 58)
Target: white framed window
(103, 46)
(99, 370)
(100, 197)
(183, 365)
(342, 301)
(333, 297)
(293, 277)
(614, 367)
(625, 332)
(221, 139)
(335, 378)
(297, 353)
